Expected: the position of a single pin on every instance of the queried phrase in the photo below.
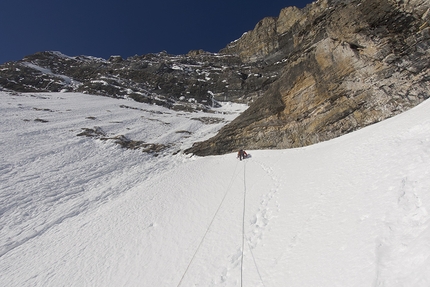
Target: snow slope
(78, 211)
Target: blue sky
(127, 27)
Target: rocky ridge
(195, 81)
(309, 75)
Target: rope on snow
(243, 235)
(210, 224)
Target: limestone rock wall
(346, 65)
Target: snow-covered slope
(82, 211)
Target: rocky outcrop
(345, 65)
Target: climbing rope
(243, 230)
(255, 263)
(210, 224)
(243, 223)
(243, 234)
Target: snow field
(49, 174)
(348, 212)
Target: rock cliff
(343, 65)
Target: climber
(242, 154)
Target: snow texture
(82, 211)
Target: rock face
(309, 75)
(344, 65)
(195, 81)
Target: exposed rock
(127, 143)
(41, 120)
(123, 141)
(115, 59)
(195, 81)
(258, 43)
(96, 132)
(209, 120)
(348, 64)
